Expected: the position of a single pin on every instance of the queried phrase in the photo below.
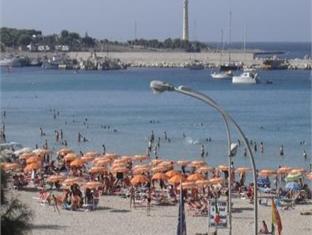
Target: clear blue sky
(265, 20)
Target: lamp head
(160, 86)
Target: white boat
(247, 77)
(222, 75)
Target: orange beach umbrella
(139, 179)
(160, 176)
(195, 177)
(93, 184)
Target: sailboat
(222, 74)
(230, 66)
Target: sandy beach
(114, 216)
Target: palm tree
(15, 216)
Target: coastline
(169, 59)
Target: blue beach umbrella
(263, 182)
(294, 186)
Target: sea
(119, 110)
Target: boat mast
(230, 31)
(221, 47)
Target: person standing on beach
(132, 197)
(149, 200)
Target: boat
(222, 75)
(247, 77)
(195, 65)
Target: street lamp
(160, 86)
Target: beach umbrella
(56, 178)
(93, 154)
(126, 158)
(188, 185)
(139, 179)
(63, 151)
(70, 157)
(120, 170)
(267, 172)
(204, 169)
(293, 177)
(98, 170)
(166, 164)
(77, 163)
(263, 181)
(155, 162)
(73, 180)
(172, 173)
(297, 170)
(111, 155)
(93, 184)
(293, 186)
(32, 166)
(195, 177)
(41, 152)
(87, 158)
(203, 183)
(183, 162)
(10, 166)
(217, 180)
(141, 166)
(283, 170)
(102, 162)
(197, 163)
(26, 155)
(120, 161)
(160, 176)
(242, 169)
(176, 179)
(23, 150)
(139, 157)
(158, 169)
(140, 171)
(123, 164)
(33, 159)
(223, 168)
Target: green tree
(24, 39)
(15, 216)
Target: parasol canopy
(160, 176)
(195, 177)
(93, 184)
(139, 179)
(293, 186)
(172, 173)
(176, 179)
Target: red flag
(217, 217)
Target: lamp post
(160, 86)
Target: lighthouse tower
(185, 35)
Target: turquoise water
(278, 113)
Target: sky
(258, 20)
